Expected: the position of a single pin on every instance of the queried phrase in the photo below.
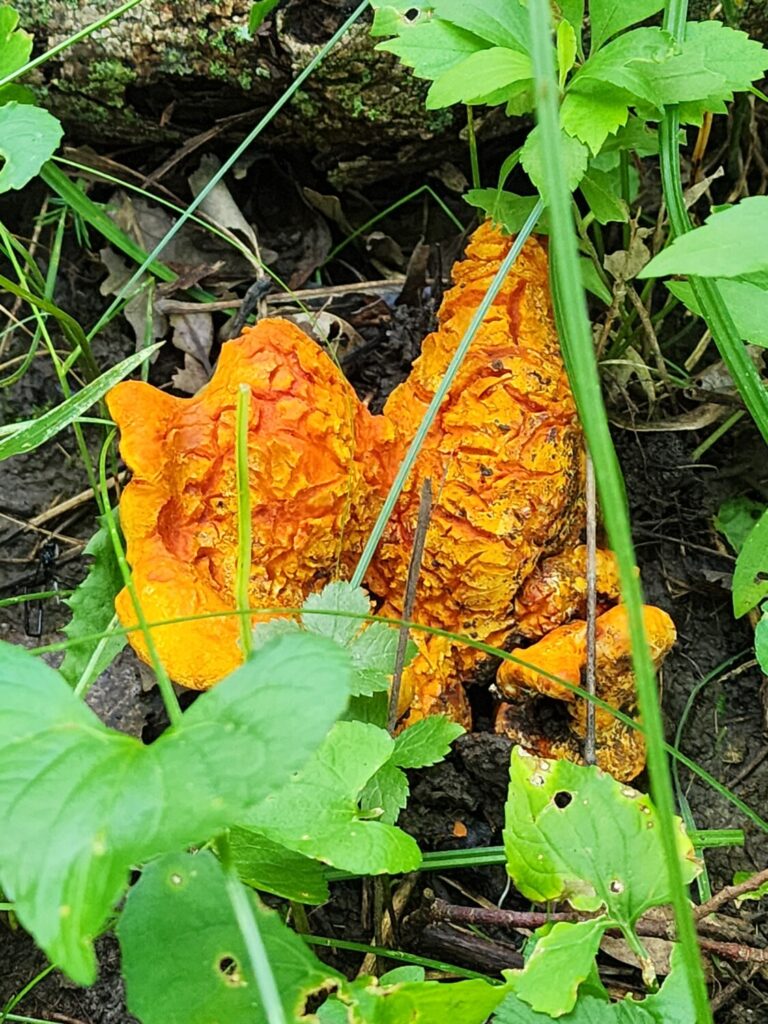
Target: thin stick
(731, 892)
(414, 567)
(590, 683)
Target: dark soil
(459, 803)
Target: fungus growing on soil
(505, 457)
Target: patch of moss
(107, 80)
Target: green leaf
(55, 420)
(592, 280)
(561, 960)
(756, 894)
(566, 50)
(386, 792)
(185, 961)
(673, 1003)
(761, 642)
(574, 156)
(588, 1010)
(431, 47)
(735, 519)
(92, 605)
(425, 1002)
(591, 113)
(15, 44)
(505, 208)
(726, 52)
(104, 801)
(630, 63)
(750, 576)
(336, 597)
(28, 137)
(747, 305)
(730, 244)
(260, 10)
(270, 867)
(317, 812)
(482, 77)
(607, 17)
(598, 189)
(425, 742)
(558, 847)
(500, 22)
(372, 645)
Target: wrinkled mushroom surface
(505, 458)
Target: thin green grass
(576, 338)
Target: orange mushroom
(537, 724)
(504, 455)
(320, 465)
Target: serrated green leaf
(92, 605)
(185, 961)
(336, 597)
(561, 960)
(500, 22)
(386, 791)
(629, 63)
(431, 47)
(729, 244)
(28, 137)
(574, 155)
(373, 654)
(482, 77)
(505, 208)
(317, 812)
(735, 519)
(266, 865)
(51, 423)
(593, 113)
(598, 189)
(750, 576)
(608, 17)
(761, 641)
(559, 847)
(425, 742)
(15, 43)
(727, 52)
(747, 305)
(104, 801)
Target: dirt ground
(685, 570)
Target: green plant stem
(472, 140)
(429, 416)
(240, 901)
(14, 1002)
(576, 336)
(127, 288)
(163, 682)
(244, 524)
(394, 954)
(707, 294)
(76, 37)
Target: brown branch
(731, 892)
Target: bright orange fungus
(505, 458)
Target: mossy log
(166, 71)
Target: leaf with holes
(317, 813)
(185, 961)
(735, 519)
(372, 1001)
(750, 577)
(92, 605)
(104, 801)
(28, 137)
(429, 46)
(574, 833)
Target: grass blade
(576, 337)
(37, 432)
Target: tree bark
(166, 71)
